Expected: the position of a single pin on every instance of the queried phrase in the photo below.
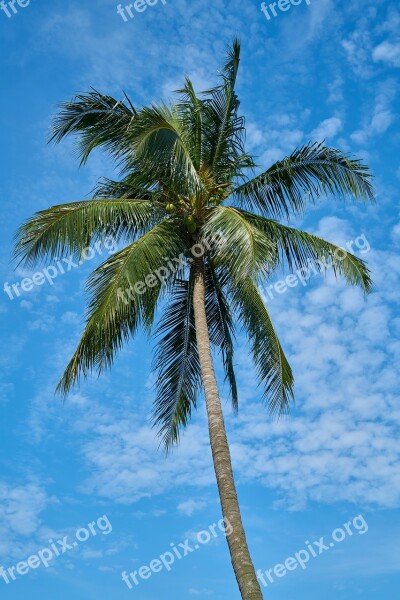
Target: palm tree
(201, 233)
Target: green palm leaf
(99, 120)
(176, 363)
(123, 297)
(191, 109)
(221, 325)
(273, 369)
(71, 227)
(225, 127)
(134, 185)
(300, 248)
(237, 243)
(162, 146)
(309, 172)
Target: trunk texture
(240, 555)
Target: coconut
(191, 223)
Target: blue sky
(327, 70)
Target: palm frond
(135, 184)
(235, 242)
(301, 249)
(177, 365)
(98, 120)
(273, 369)
(123, 297)
(162, 147)
(308, 173)
(71, 227)
(190, 109)
(225, 132)
(221, 325)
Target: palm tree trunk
(240, 555)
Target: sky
(321, 70)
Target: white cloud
(336, 90)
(395, 234)
(381, 115)
(6, 391)
(254, 136)
(126, 464)
(358, 50)
(335, 230)
(319, 13)
(387, 52)
(364, 42)
(188, 507)
(71, 318)
(20, 509)
(26, 304)
(327, 129)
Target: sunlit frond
(162, 146)
(308, 173)
(124, 293)
(301, 249)
(237, 243)
(70, 228)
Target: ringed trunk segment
(240, 555)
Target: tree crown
(187, 181)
